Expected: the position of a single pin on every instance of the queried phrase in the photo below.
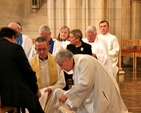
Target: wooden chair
(138, 53)
(128, 49)
(119, 54)
(33, 40)
(121, 73)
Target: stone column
(97, 8)
(83, 11)
(85, 16)
(60, 14)
(71, 13)
(51, 16)
(136, 19)
(87, 12)
(125, 26)
(110, 14)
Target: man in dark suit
(18, 86)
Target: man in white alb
(99, 48)
(55, 46)
(94, 89)
(22, 39)
(112, 42)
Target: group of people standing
(76, 72)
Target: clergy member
(94, 89)
(49, 74)
(44, 31)
(99, 48)
(112, 42)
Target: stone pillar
(99, 8)
(97, 12)
(103, 7)
(136, 19)
(51, 16)
(71, 13)
(110, 14)
(60, 13)
(85, 16)
(125, 26)
(83, 11)
(87, 12)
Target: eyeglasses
(41, 49)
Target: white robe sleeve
(27, 44)
(56, 48)
(113, 51)
(83, 85)
(32, 52)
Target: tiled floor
(131, 90)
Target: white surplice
(26, 44)
(99, 47)
(94, 89)
(64, 43)
(113, 48)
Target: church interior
(124, 17)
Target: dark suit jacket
(83, 49)
(17, 80)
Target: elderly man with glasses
(49, 74)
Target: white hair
(62, 54)
(42, 28)
(91, 29)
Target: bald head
(14, 26)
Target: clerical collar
(43, 59)
(63, 40)
(91, 42)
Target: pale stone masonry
(123, 15)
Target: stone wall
(123, 15)
(20, 11)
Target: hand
(73, 109)
(94, 55)
(39, 94)
(49, 90)
(62, 98)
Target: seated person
(99, 48)
(63, 36)
(22, 39)
(77, 46)
(44, 31)
(49, 74)
(94, 89)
